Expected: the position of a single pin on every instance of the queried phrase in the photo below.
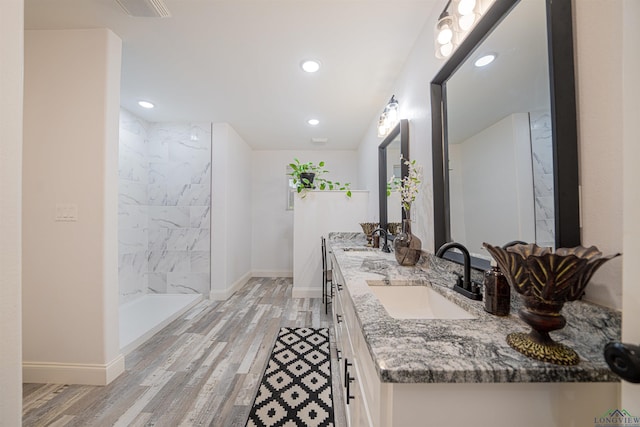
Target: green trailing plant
(393, 184)
(304, 182)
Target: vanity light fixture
(313, 122)
(389, 117)
(485, 60)
(310, 65)
(453, 26)
(444, 35)
(146, 104)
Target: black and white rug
(296, 386)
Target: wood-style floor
(201, 370)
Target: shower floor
(143, 317)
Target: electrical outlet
(66, 212)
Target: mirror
(504, 136)
(394, 147)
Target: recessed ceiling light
(313, 122)
(310, 66)
(145, 104)
(485, 60)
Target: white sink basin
(415, 302)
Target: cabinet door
(355, 398)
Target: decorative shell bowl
(367, 229)
(394, 228)
(546, 280)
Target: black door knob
(624, 360)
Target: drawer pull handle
(346, 366)
(348, 391)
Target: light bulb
(446, 49)
(466, 7)
(382, 131)
(145, 104)
(466, 22)
(392, 116)
(313, 122)
(445, 35)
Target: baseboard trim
(72, 373)
(223, 295)
(272, 273)
(306, 293)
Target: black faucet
(385, 247)
(465, 286)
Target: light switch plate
(66, 212)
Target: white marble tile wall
(165, 204)
(179, 198)
(542, 155)
(133, 212)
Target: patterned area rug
(296, 386)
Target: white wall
(600, 136)
(70, 269)
(11, 58)
(600, 124)
(317, 214)
(631, 151)
(231, 207)
(413, 92)
(272, 223)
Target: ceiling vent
(145, 8)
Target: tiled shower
(542, 159)
(164, 208)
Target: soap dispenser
(497, 293)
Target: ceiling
(238, 61)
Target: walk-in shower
(164, 230)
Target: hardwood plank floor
(201, 370)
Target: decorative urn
(546, 280)
(367, 229)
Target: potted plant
(309, 176)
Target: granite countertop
(462, 351)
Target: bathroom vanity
(445, 362)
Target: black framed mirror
(394, 147)
(455, 213)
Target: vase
(545, 281)
(406, 246)
(543, 317)
(307, 179)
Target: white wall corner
(272, 273)
(11, 148)
(225, 294)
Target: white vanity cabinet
(351, 354)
